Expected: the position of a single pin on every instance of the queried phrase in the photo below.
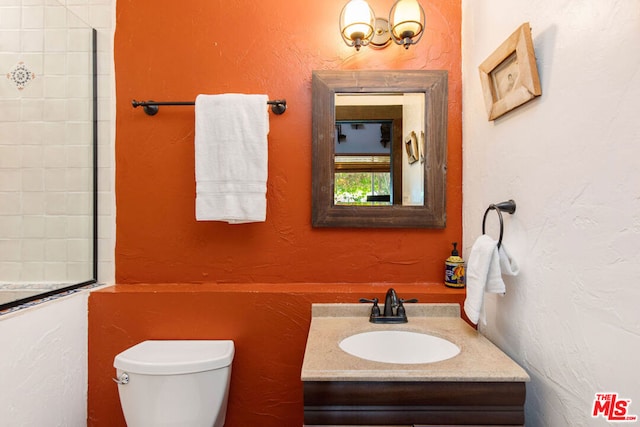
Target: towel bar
(509, 206)
(278, 106)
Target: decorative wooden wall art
(509, 75)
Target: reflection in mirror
(363, 163)
(48, 161)
(379, 148)
(380, 127)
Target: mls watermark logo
(611, 408)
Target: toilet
(171, 383)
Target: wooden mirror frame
(325, 85)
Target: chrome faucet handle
(412, 300)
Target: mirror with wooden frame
(379, 149)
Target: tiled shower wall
(45, 137)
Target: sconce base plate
(381, 36)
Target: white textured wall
(43, 365)
(571, 161)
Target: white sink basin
(399, 347)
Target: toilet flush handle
(124, 379)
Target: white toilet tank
(181, 383)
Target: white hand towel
(231, 157)
(484, 271)
(508, 264)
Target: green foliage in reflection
(353, 188)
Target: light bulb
(356, 23)
(406, 21)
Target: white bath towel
(485, 267)
(231, 157)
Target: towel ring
(509, 206)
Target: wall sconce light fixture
(356, 23)
(360, 27)
(406, 22)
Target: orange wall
(175, 50)
(267, 322)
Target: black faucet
(391, 302)
(394, 311)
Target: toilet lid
(168, 357)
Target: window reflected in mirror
(363, 163)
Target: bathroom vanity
(479, 386)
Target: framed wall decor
(509, 76)
(411, 145)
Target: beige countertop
(479, 359)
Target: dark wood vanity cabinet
(414, 403)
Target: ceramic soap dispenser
(454, 269)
